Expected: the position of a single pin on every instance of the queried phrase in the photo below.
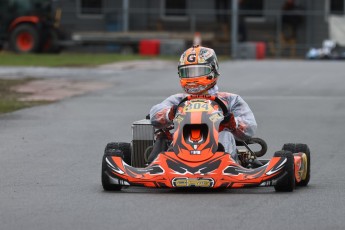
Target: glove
(228, 122)
(172, 112)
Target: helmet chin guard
(198, 70)
(198, 87)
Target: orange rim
(25, 41)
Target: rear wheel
(297, 148)
(124, 147)
(51, 42)
(121, 149)
(287, 182)
(25, 39)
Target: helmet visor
(191, 71)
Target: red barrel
(149, 47)
(260, 50)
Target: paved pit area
(56, 89)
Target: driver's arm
(159, 113)
(245, 120)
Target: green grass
(9, 99)
(69, 59)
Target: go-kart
(193, 158)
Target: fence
(282, 39)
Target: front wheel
(287, 182)
(107, 185)
(121, 149)
(301, 148)
(25, 38)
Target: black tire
(287, 182)
(124, 147)
(107, 186)
(112, 149)
(19, 44)
(296, 148)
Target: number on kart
(197, 107)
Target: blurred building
(259, 20)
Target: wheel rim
(25, 41)
(305, 166)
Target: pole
(279, 34)
(234, 30)
(125, 16)
(310, 19)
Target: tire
(107, 186)
(112, 149)
(124, 147)
(287, 182)
(25, 38)
(296, 148)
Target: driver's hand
(172, 112)
(228, 122)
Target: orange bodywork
(220, 171)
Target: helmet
(198, 69)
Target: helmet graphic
(198, 69)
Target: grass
(70, 59)
(9, 99)
(76, 59)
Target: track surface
(50, 156)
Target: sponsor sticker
(207, 55)
(195, 152)
(179, 118)
(191, 58)
(215, 117)
(193, 182)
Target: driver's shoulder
(228, 95)
(229, 98)
(176, 98)
(178, 95)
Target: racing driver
(198, 73)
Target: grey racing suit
(245, 120)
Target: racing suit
(244, 117)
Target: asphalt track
(50, 156)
